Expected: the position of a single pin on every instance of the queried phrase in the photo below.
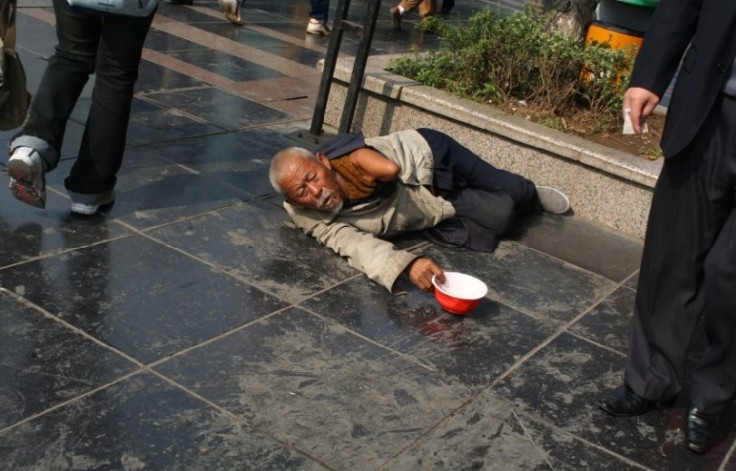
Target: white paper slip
(628, 127)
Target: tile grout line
(561, 330)
(729, 454)
(546, 423)
(235, 417)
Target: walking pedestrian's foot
(89, 205)
(232, 11)
(27, 176)
(318, 28)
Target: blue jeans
(318, 9)
(111, 48)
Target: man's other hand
(420, 273)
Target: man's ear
(323, 159)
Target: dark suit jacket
(709, 27)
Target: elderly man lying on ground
(353, 192)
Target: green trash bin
(642, 3)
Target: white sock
(402, 10)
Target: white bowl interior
(461, 286)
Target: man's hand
(639, 103)
(420, 273)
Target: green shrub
(516, 57)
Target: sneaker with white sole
(27, 176)
(553, 200)
(232, 11)
(318, 28)
(89, 205)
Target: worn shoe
(318, 28)
(27, 176)
(623, 402)
(89, 205)
(180, 2)
(232, 11)
(701, 430)
(553, 200)
(396, 18)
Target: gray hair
(279, 161)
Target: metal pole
(333, 50)
(356, 80)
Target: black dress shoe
(623, 402)
(701, 430)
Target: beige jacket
(355, 233)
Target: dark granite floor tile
(225, 65)
(301, 55)
(608, 323)
(143, 423)
(284, 11)
(27, 232)
(153, 77)
(43, 363)
(150, 123)
(182, 14)
(488, 434)
(238, 159)
(563, 383)
(161, 41)
(253, 242)
(219, 108)
(633, 281)
(145, 299)
(151, 195)
(339, 398)
(730, 462)
(72, 140)
(583, 244)
(35, 40)
(34, 63)
(256, 39)
(528, 280)
(474, 349)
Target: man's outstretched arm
(379, 259)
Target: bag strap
(7, 24)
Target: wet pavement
(189, 326)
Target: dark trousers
(109, 47)
(479, 192)
(318, 9)
(689, 270)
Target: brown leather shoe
(623, 402)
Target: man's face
(311, 184)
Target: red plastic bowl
(460, 293)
